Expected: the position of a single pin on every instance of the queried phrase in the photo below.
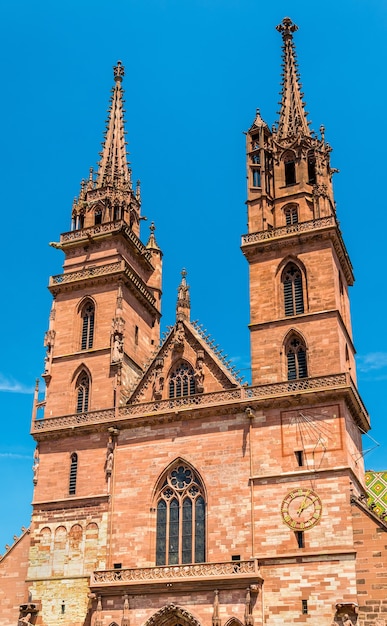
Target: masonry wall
(13, 574)
(370, 541)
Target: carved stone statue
(199, 376)
(109, 464)
(179, 336)
(117, 348)
(25, 620)
(346, 620)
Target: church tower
(105, 319)
(299, 267)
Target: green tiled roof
(376, 485)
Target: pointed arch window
(290, 168)
(73, 473)
(293, 290)
(83, 393)
(291, 215)
(311, 168)
(180, 525)
(98, 217)
(296, 358)
(182, 381)
(88, 315)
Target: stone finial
(119, 71)
(152, 243)
(287, 28)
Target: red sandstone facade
(166, 492)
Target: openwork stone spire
(113, 166)
(110, 197)
(183, 306)
(292, 120)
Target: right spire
(292, 121)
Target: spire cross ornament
(119, 71)
(287, 28)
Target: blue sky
(195, 73)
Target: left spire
(113, 166)
(109, 196)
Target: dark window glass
(296, 359)
(300, 457)
(98, 217)
(187, 531)
(311, 169)
(291, 215)
(304, 607)
(290, 173)
(293, 290)
(87, 326)
(73, 474)
(256, 178)
(182, 381)
(161, 532)
(83, 393)
(173, 551)
(300, 538)
(200, 547)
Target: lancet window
(311, 169)
(293, 290)
(83, 392)
(180, 525)
(296, 358)
(88, 314)
(291, 215)
(73, 473)
(290, 168)
(182, 381)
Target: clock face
(301, 509)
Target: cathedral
(167, 492)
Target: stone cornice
(70, 502)
(308, 556)
(103, 273)
(302, 473)
(306, 317)
(302, 231)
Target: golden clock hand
(310, 504)
(302, 505)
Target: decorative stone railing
(137, 575)
(282, 231)
(96, 270)
(102, 229)
(230, 396)
(104, 270)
